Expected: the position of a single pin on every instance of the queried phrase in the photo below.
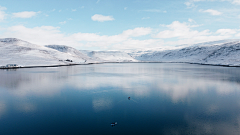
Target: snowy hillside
(76, 54)
(215, 53)
(223, 52)
(110, 56)
(16, 51)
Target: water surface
(166, 98)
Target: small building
(69, 60)
(11, 65)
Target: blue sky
(120, 24)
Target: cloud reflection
(101, 104)
(185, 87)
(26, 107)
(140, 81)
(197, 126)
(2, 108)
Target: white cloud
(112, 39)
(145, 18)
(141, 31)
(44, 33)
(182, 33)
(52, 35)
(211, 11)
(25, 14)
(102, 18)
(136, 44)
(237, 35)
(3, 8)
(125, 8)
(226, 31)
(2, 13)
(153, 10)
(74, 10)
(98, 1)
(176, 33)
(62, 22)
(190, 4)
(180, 30)
(236, 2)
(82, 7)
(120, 41)
(191, 20)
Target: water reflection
(186, 99)
(101, 104)
(176, 82)
(2, 108)
(25, 107)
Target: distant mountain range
(16, 51)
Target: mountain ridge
(17, 51)
(23, 53)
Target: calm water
(165, 99)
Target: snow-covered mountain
(110, 56)
(74, 53)
(225, 52)
(16, 51)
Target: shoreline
(116, 62)
(177, 62)
(49, 66)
